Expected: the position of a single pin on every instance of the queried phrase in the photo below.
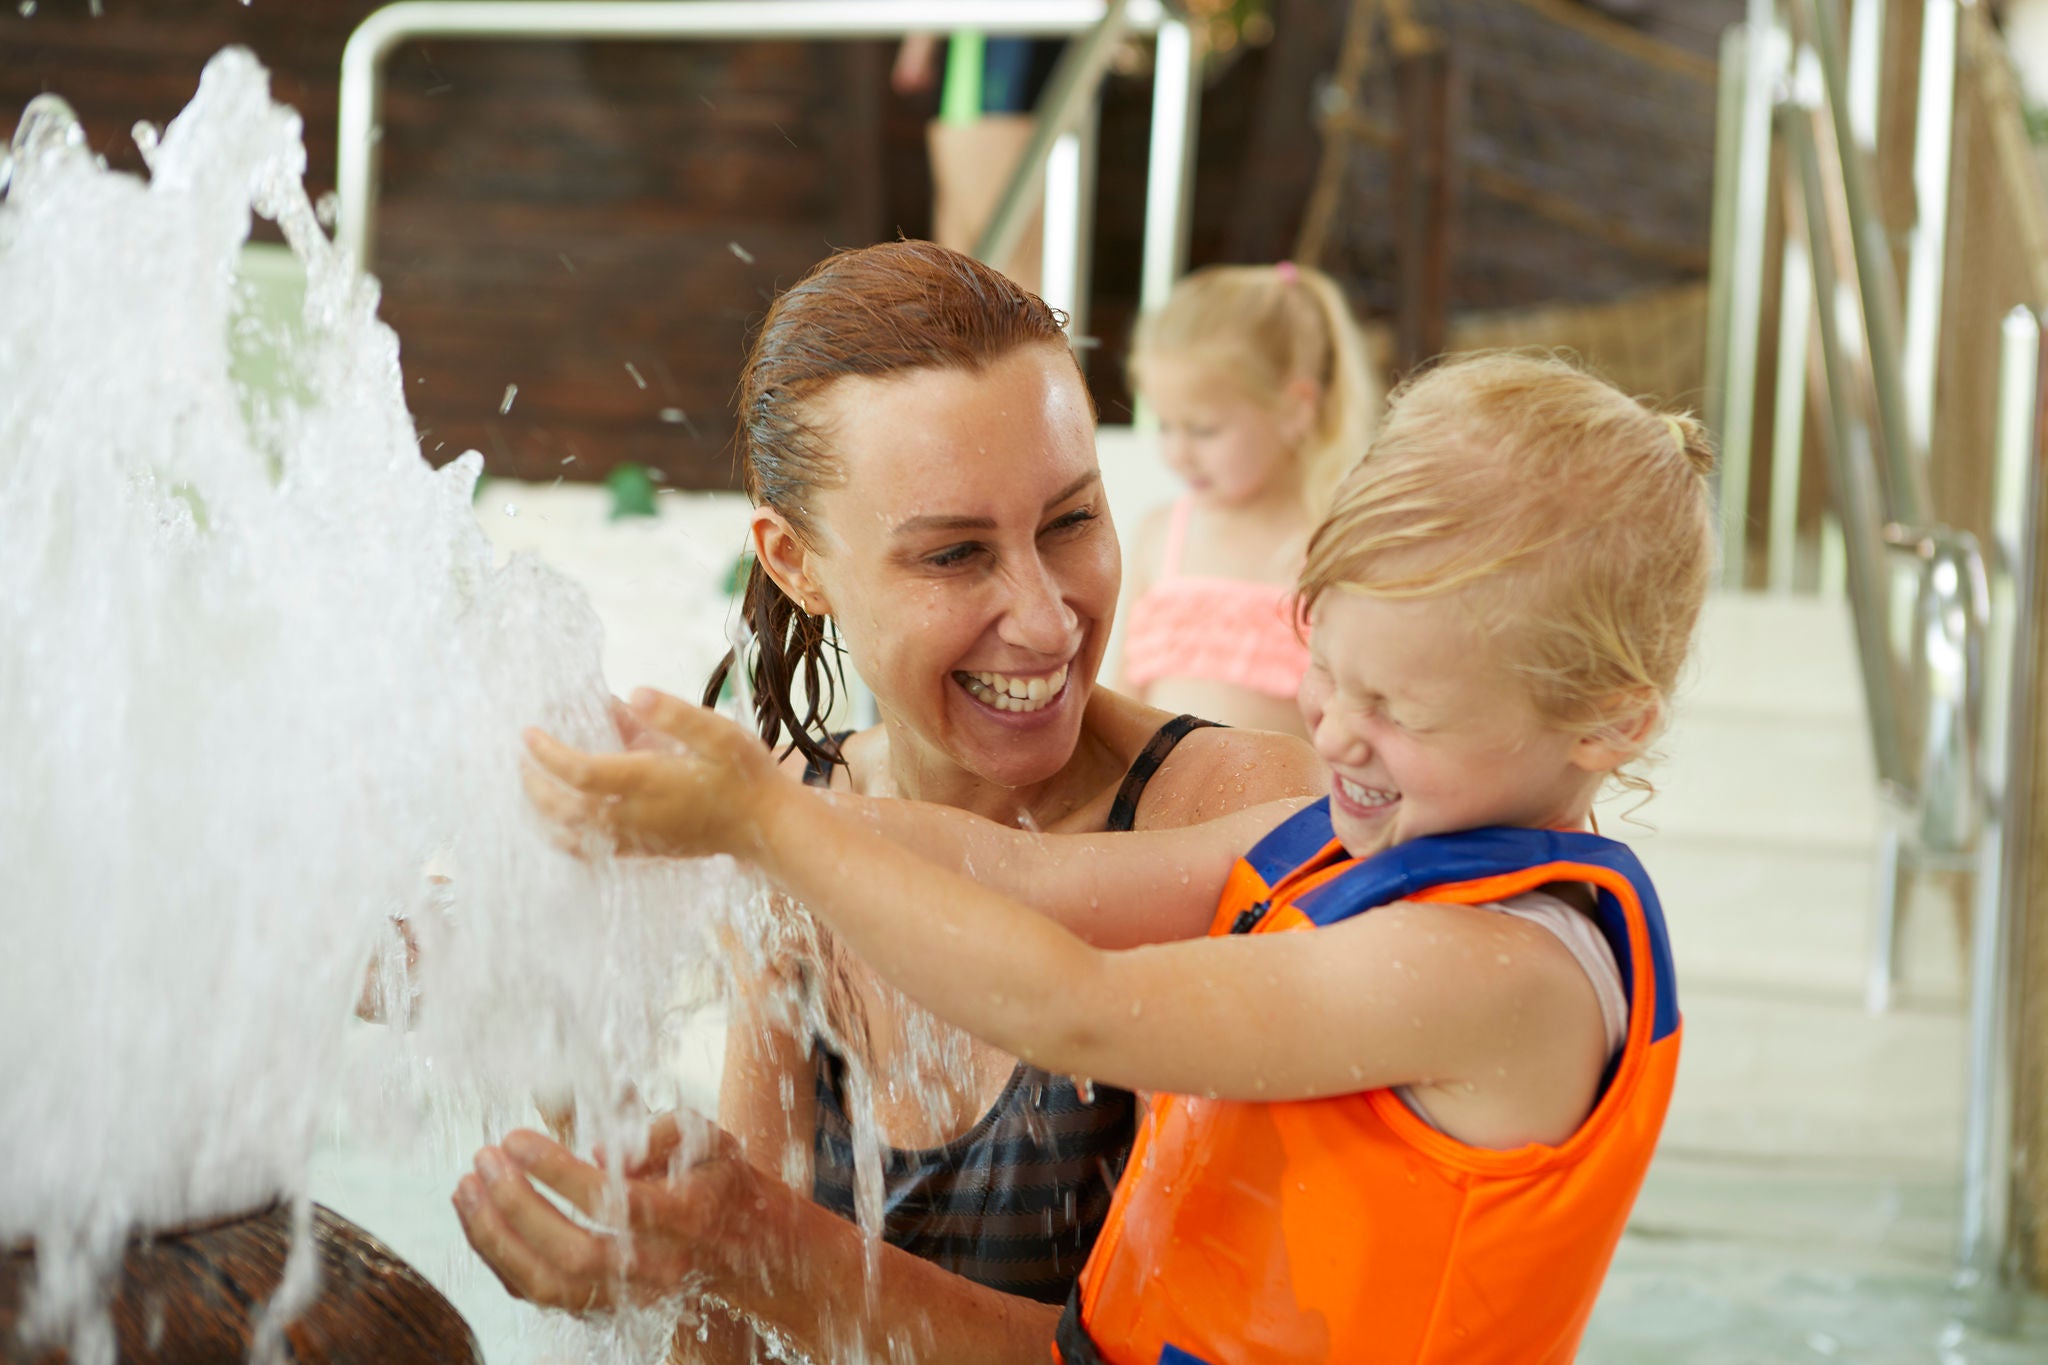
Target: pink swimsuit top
(1217, 629)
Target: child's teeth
(1367, 796)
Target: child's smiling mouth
(1368, 800)
(1005, 692)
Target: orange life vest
(1347, 1229)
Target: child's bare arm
(1111, 890)
(1402, 996)
(1408, 994)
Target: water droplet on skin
(1504, 960)
(637, 380)
(505, 405)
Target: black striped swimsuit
(1016, 1201)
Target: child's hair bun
(1689, 434)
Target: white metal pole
(362, 61)
(1169, 179)
(1933, 129)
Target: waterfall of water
(259, 669)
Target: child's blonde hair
(1580, 516)
(1263, 327)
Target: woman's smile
(1014, 693)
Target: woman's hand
(679, 1217)
(689, 782)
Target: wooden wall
(552, 213)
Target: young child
(1407, 1085)
(1259, 379)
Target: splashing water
(260, 670)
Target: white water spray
(259, 671)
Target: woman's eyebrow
(934, 521)
(939, 521)
(1092, 476)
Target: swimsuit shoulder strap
(1123, 812)
(815, 776)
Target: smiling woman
(920, 450)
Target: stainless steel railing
(1950, 697)
(1066, 156)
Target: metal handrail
(1953, 736)
(1166, 228)
(1074, 83)
(1860, 494)
(1876, 286)
(1987, 1241)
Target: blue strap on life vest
(1446, 859)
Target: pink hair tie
(1288, 274)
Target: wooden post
(1429, 112)
(2030, 1062)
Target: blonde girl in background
(1258, 376)
(1408, 1055)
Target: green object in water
(736, 576)
(632, 491)
(960, 97)
(189, 495)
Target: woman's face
(968, 557)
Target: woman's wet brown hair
(871, 312)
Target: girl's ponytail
(1352, 395)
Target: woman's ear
(1631, 721)
(787, 560)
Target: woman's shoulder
(1214, 770)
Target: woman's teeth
(1006, 693)
(1363, 795)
